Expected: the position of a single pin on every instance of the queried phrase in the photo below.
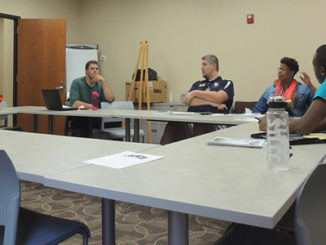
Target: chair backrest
(3, 104)
(3, 118)
(121, 105)
(10, 198)
(240, 106)
(310, 209)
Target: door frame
(15, 54)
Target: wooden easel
(143, 57)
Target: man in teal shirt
(80, 94)
(81, 88)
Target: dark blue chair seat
(19, 226)
(36, 228)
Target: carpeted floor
(135, 224)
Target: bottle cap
(276, 102)
(94, 93)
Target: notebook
(298, 139)
(252, 143)
(53, 102)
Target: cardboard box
(157, 91)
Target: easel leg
(143, 57)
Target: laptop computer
(53, 102)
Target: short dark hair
(291, 63)
(212, 59)
(321, 56)
(90, 62)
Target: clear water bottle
(278, 134)
(95, 96)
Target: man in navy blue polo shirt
(213, 95)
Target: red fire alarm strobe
(250, 18)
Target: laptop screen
(52, 99)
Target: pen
(258, 119)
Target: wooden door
(41, 65)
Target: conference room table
(36, 156)
(222, 182)
(228, 183)
(8, 110)
(136, 115)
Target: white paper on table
(182, 113)
(123, 159)
(176, 112)
(219, 114)
(248, 111)
(250, 117)
(252, 143)
(66, 106)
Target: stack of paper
(253, 143)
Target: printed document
(123, 159)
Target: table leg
(35, 123)
(136, 130)
(108, 222)
(178, 228)
(50, 126)
(127, 129)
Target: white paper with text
(123, 159)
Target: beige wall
(6, 63)
(1, 54)
(31, 9)
(181, 31)
(6, 60)
(6, 77)
(68, 9)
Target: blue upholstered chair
(309, 221)
(24, 227)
